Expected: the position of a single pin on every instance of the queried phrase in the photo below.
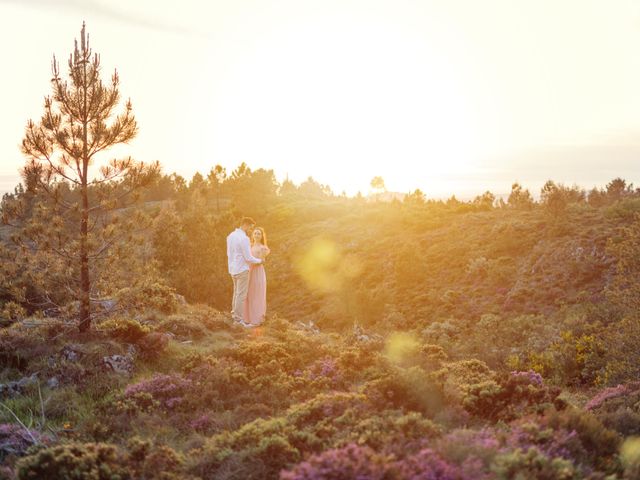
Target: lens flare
(324, 267)
(400, 347)
(630, 451)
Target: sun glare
(352, 101)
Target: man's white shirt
(239, 252)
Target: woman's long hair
(264, 237)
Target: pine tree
(216, 178)
(78, 124)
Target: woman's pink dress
(255, 307)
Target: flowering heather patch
(14, 439)
(428, 465)
(363, 463)
(349, 462)
(471, 446)
(530, 377)
(554, 443)
(612, 392)
(203, 423)
(167, 389)
(324, 369)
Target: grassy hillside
(429, 265)
(411, 339)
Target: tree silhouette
(618, 189)
(78, 124)
(520, 198)
(554, 198)
(216, 177)
(377, 183)
(485, 201)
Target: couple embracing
(246, 252)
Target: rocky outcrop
(18, 387)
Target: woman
(255, 307)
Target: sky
(449, 96)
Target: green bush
(10, 312)
(19, 346)
(600, 443)
(126, 329)
(411, 389)
(153, 344)
(102, 461)
(532, 465)
(147, 296)
(264, 447)
(75, 461)
(390, 430)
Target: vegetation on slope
(413, 339)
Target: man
(239, 257)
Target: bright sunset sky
(449, 96)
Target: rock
(180, 299)
(27, 381)
(71, 353)
(308, 327)
(15, 388)
(53, 383)
(120, 364)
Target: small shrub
(428, 464)
(153, 344)
(391, 431)
(149, 461)
(19, 346)
(74, 461)
(356, 361)
(599, 443)
(147, 296)
(265, 446)
(476, 447)
(533, 465)
(349, 462)
(133, 404)
(507, 396)
(552, 443)
(12, 311)
(168, 390)
(434, 355)
(624, 421)
(101, 461)
(411, 389)
(254, 354)
(126, 329)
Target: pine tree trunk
(85, 281)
